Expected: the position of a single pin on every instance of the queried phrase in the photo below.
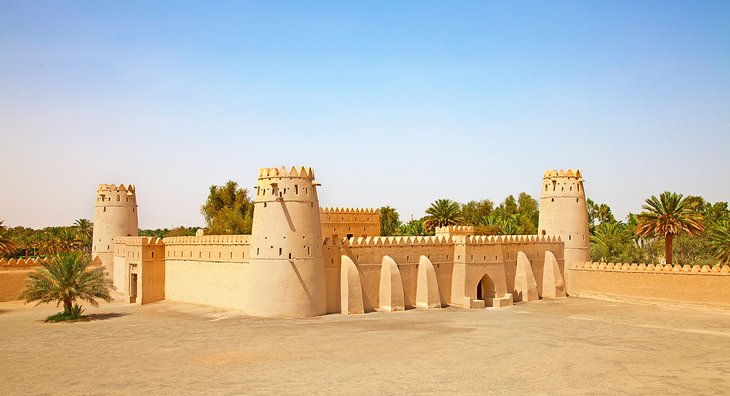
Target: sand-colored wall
(341, 222)
(494, 256)
(14, 277)
(700, 285)
(145, 258)
(207, 269)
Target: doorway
(486, 290)
(133, 288)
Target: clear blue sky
(393, 103)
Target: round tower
(563, 212)
(286, 272)
(115, 215)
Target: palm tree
(719, 240)
(50, 242)
(609, 238)
(7, 244)
(668, 216)
(442, 213)
(68, 239)
(66, 279)
(84, 229)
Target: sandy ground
(569, 346)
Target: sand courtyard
(567, 346)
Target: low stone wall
(14, 275)
(684, 284)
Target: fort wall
(207, 269)
(14, 276)
(460, 261)
(685, 284)
(349, 222)
(139, 269)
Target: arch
(486, 290)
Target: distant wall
(685, 284)
(341, 222)
(14, 275)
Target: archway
(486, 290)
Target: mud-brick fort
(302, 260)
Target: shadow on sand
(102, 316)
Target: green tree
(389, 221)
(84, 230)
(668, 216)
(474, 211)
(507, 208)
(719, 240)
(228, 210)
(609, 241)
(442, 213)
(529, 215)
(598, 214)
(7, 244)
(412, 228)
(66, 279)
(510, 225)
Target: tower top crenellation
(301, 172)
(129, 188)
(553, 173)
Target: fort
(302, 260)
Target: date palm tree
(608, 240)
(442, 213)
(84, 229)
(719, 240)
(668, 216)
(7, 244)
(68, 278)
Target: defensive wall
(14, 275)
(460, 263)
(687, 284)
(349, 222)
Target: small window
(119, 198)
(279, 251)
(309, 252)
(296, 189)
(257, 251)
(153, 254)
(552, 199)
(289, 256)
(570, 237)
(264, 204)
(105, 208)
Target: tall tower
(115, 215)
(563, 212)
(286, 275)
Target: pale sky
(392, 102)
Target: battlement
(23, 262)
(658, 268)
(301, 172)
(208, 240)
(389, 241)
(455, 230)
(552, 174)
(129, 188)
(511, 239)
(337, 210)
(138, 241)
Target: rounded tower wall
(563, 212)
(286, 268)
(115, 214)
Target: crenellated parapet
(455, 230)
(209, 240)
(129, 188)
(299, 172)
(512, 239)
(138, 241)
(389, 241)
(22, 262)
(651, 268)
(338, 210)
